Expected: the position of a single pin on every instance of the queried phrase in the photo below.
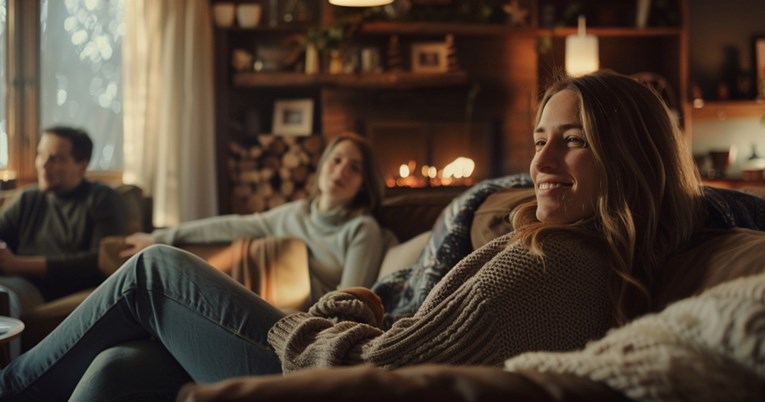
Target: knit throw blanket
(404, 291)
(730, 209)
(276, 268)
(706, 348)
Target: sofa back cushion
(491, 219)
(403, 255)
(713, 257)
(409, 215)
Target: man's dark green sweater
(65, 229)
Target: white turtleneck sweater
(343, 252)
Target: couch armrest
(44, 319)
(109, 259)
(276, 268)
(416, 384)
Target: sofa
(685, 355)
(714, 257)
(405, 216)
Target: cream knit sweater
(498, 302)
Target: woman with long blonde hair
(650, 193)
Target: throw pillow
(714, 256)
(491, 219)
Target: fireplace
(417, 155)
(268, 170)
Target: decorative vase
(335, 62)
(311, 59)
(643, 8)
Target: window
(61, 65)
(3, 90)
(80, 72)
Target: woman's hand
(135, 243)
(351, 304)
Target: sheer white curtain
(169, 129)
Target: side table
(10, 328)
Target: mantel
(388, 80)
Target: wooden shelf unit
(723, 110)
(390, 80)
(435, 28)
(506, 64)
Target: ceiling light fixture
(360, 3)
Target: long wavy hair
(650, 199)
(372, 189)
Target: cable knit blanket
(706, 348)
(404, 291)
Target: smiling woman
(631, 174)
(564, 169)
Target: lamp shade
(581, 52)
(360, 3)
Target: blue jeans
(211, 326)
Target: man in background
(50, 233)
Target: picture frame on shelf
(293, 117)
(758, 53)
(429, 57)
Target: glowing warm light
(6, 175)
(403, 171)
(457, 172)
(432, 172)
(459, 168)
(581, 52)
(360, 3)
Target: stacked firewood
(272, 170)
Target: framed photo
(429, 57)
(759, 65)
(293, 117)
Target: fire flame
(460, 168)
(457, 172)
(403, 171)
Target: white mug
(223, 14)
(248, 15)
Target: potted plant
(327, 40)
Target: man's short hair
(82, 145)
